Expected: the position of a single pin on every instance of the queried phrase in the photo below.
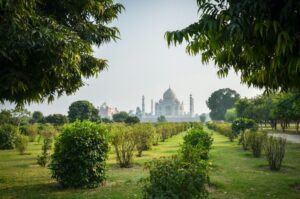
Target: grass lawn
(235, 174)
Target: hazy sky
(142, 64)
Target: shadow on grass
(283, 169)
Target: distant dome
(169, 95)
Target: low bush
(8, 135)
(123, 140)
(79, 155)
(144, 134)
(174, 178)
(48, 131)
(256, 142)
(44, 158)
(21, 143)
(275, 151)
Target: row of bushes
(222, 128)
(141, 137)
(182, 176)
(274, 147)
(87, 144)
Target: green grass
(235, 174)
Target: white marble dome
(169, 95)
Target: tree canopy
(83, 110)
(120, 117)
(220, 101)
(257, 38)
(46, 46)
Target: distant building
(170, 107)
(106, 111)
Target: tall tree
(56, 119)
(120, 117)
(82, 110)
(46, 46)
(220, 101)
(257, 38)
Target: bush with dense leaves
(257, 140)
(80, 154)
(8, 135)
(144, 134)
(275, 151)
(174, 178)
(124, 142)
(21, 143)
(196, 141)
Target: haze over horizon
(141, 63)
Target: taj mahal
(170, 107)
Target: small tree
(132, 120)
(144, 134)
(44, 158)
(203, 117)
(32, 132)
(123, 140)
(22, 143)
(257, 140)
(161, 118)
(120, 117)
(275, 151)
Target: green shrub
(173, 178)
(21, 143)
(143, 134)
(222, 128)
(156, 138)
(123, 140)
(256, 142)
(32, 132)
(48, 131)
(245, 139)
(240, 125)
(8, 135)
(275, 151)
(196, 145)
(44, 158)
(79, 155)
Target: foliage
(44, 158)
(21, 143)
(143, 134)
(222, 128)
(173, 178)
(221, 100)
(8, 135)
(56, 119)
(80, 154)
(245, 139)
(6, 117)
(106, 120)
(120, 117)
(83, 110)
(48, 131)
(257, 142)
(132, 120)
(203, 117)
(242, 124)
(37, 117)
(197, 143)
(46, 46)
(20, 116)
(275, 151)
(123, 140)
(259, 39)
(161, 118)
(230, 115)
(32, 132)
